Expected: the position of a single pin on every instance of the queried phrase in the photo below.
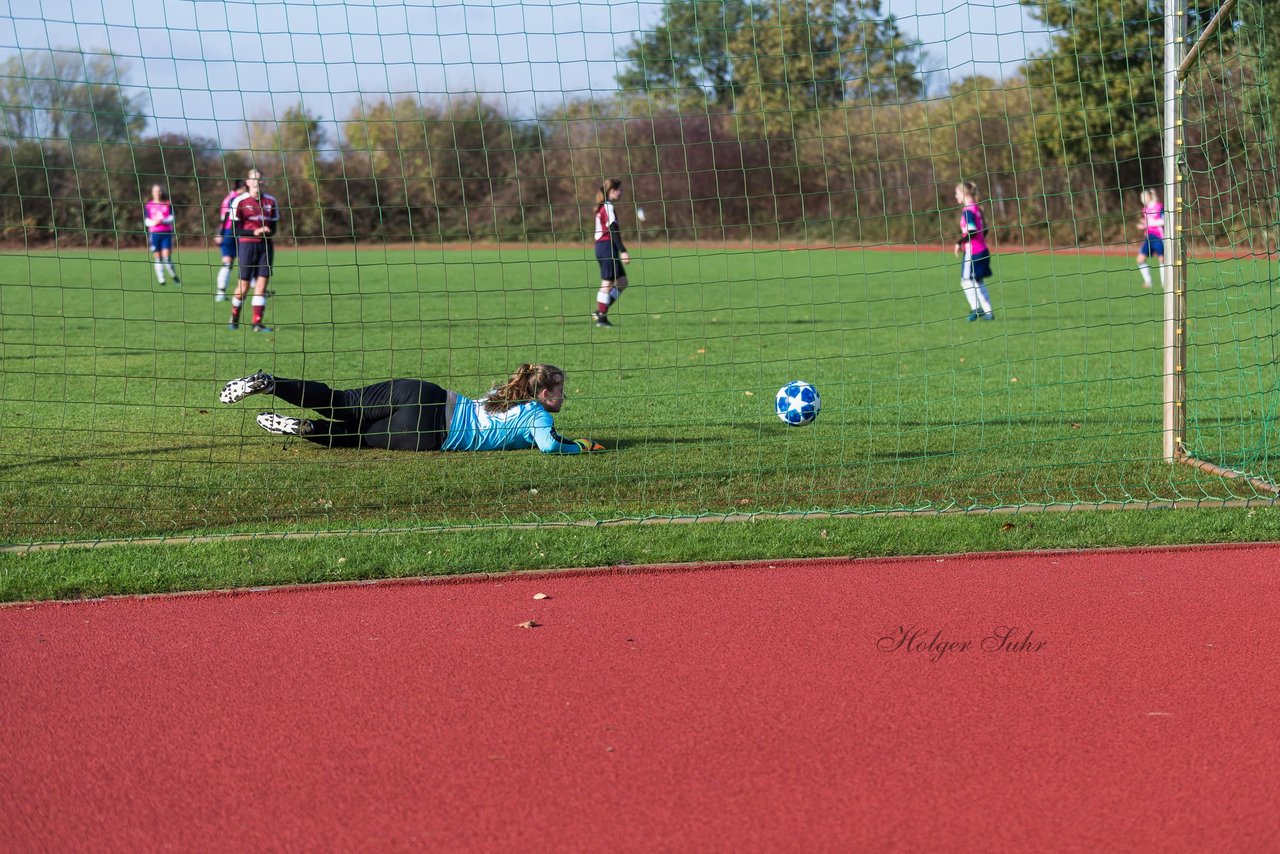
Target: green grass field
(110, 426)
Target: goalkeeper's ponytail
(607, 187)
(523, 386)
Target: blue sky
(207, 65)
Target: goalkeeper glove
(587, 446)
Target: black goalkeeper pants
(398, 415)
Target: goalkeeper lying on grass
(415, 415)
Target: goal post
(1180, 61)
(1175, 271)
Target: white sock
(236, 302)
(983, 300)
(159, 272)
(1146, 273)
(168, 265)
(970, 288)
(605, 295)
(259, 300)
(224, 277)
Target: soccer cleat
(990, 315)
(974, 315)
(177, 283)
(258, 327)
(283, 425)
(220, 297)
(233, 326)
(602, 319)
(237, 390)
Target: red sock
(601, 308)
(257, 314)
(235, 314)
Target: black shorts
(610, 263)
(399, 415)
(255, 257)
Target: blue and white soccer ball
(798, 403)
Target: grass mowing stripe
(138, 569)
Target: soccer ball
(798, 403)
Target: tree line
(735, 120)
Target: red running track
(749, 708)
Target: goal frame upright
(1174, 272)
(1179, 60)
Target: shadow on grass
(136, 352)
(96, 353)
(110, 455)
(912, 456)
(624, 444)
(1058, 421)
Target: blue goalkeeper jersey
(522, 426)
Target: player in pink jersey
(977, 256)
(227, 236)
(1152, 225)
(610, 252)
(157, 216)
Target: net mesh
(789, 174)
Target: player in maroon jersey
(254, 216)
(610, 251)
